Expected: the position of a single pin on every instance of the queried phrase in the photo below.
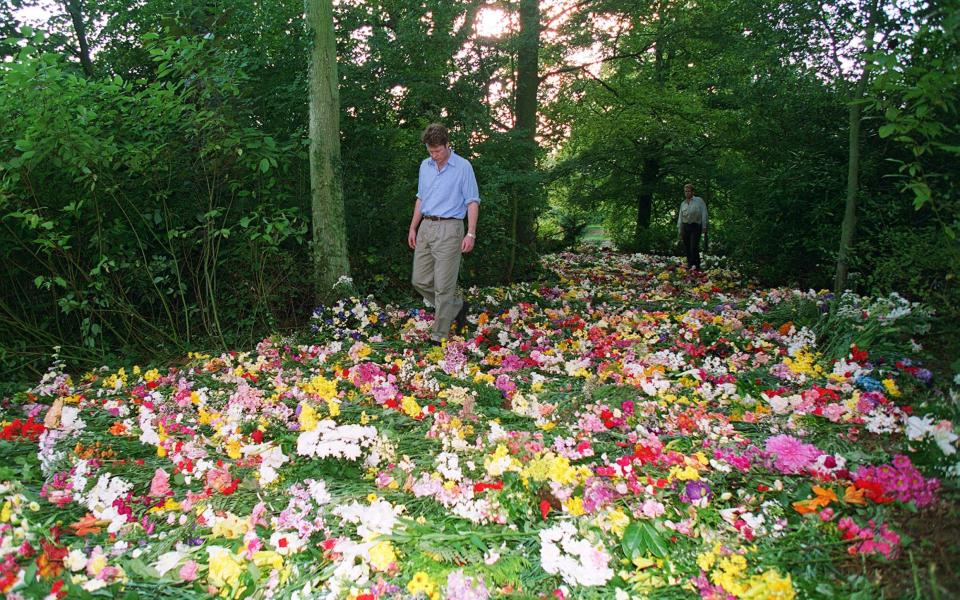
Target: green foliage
(134, 212)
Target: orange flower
(823, 497)
(852, 495)
(87, 525)
(118, 428)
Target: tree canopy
(154, 162)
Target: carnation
(792, 456)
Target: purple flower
(695, 491)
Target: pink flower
(188, 572)
(160, 486)
(792, 455)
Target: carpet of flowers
(625, 429)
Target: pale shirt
(692, 211)
(447, 192)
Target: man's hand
(467, 244)
(412, 238)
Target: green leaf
(264, 165)
(887, 130)
(633, 543)
(655, 542)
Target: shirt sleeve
(420, 190)
(469, 187)
(680, 218)
(703, 214)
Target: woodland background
(154, 156)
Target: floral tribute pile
(624, 429)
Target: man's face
(439, 153)
(688, 192)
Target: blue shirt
(447, 192)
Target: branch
(614, 57)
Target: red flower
(544, 509)
(481, 487)
(857, 354)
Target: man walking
(691, 222)
(446, 193)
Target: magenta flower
(792, 456)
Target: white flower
(318, 491)
(70, 419)
(448, 465)
(576, 560)
(918, 428)
(944, 436)
(167, 562)
(76, 560)
(286, 543)
(273, 459)
(378, 518)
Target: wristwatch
(473, 235)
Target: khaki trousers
(436, 268)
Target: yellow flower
(687, 473)
(706, 560)
(420, 583)
(268, 558)
(233, 448)
(574, 506)
(483, 378)
(308, 417)
(891, 387)
(617, 521)
(382, 556)
(769, 586)
(333, 407)
(410, 406)
(204, 417)
(151, 375)
(321, 387)
(6, 512)
(230, 527)
(225, 568)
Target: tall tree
(856, 87)
(75, 10)
(524, 194)
(331, 261)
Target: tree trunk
(76, 16)
(330, 258)
(524, 193)
(648, 181)
(849, 226)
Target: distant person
(446, 193)
(691, 222)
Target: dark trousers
(690, 236)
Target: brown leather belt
(435, 218)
